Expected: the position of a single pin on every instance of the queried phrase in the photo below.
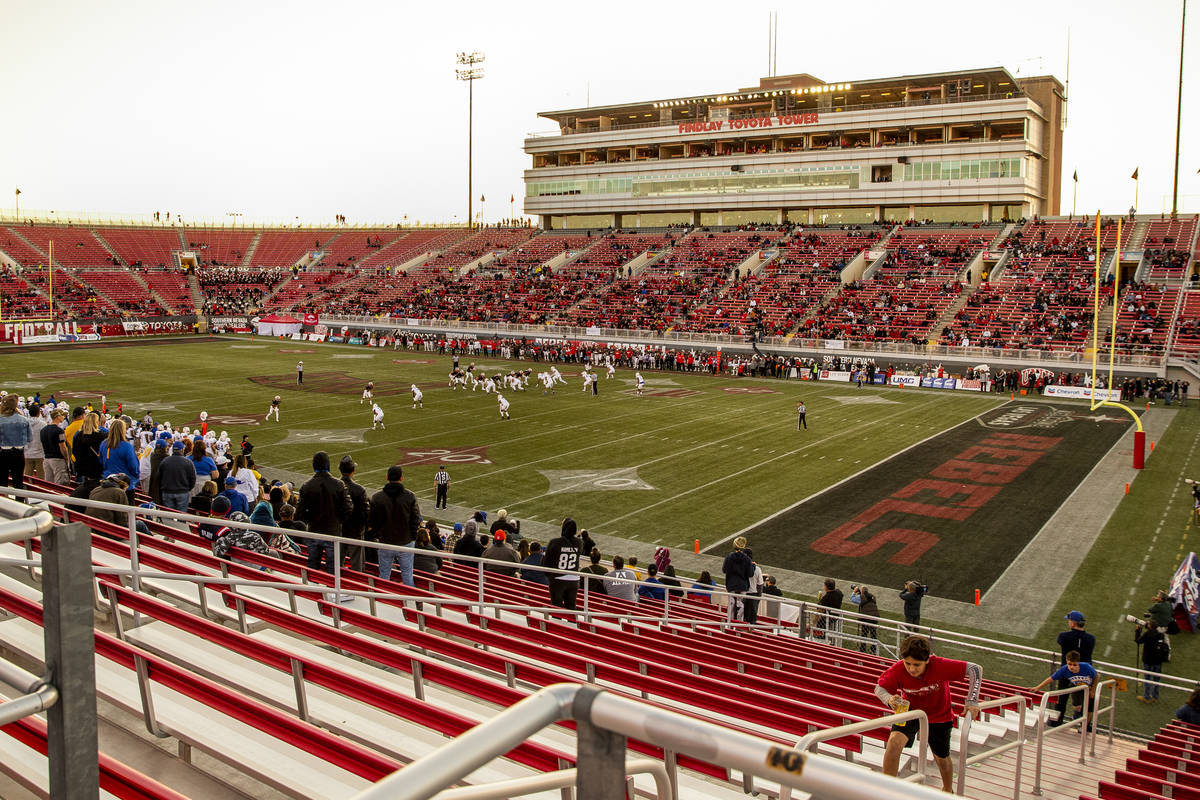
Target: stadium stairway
(248, 258)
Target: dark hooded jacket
(564, 551)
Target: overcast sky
(309, 109)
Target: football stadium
(853, 456)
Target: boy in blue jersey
(1074, 673)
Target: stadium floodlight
(470, 71)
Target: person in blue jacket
(655, 591)
(237, 500)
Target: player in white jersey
(489, 385)
(547, 382)
(274, 409)
(641, 383)
(611, 370)
(417, 396)
(503, 406)
(557, 376)
(376, 416)
(587, 379)
(368, 393)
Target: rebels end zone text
(955, 490)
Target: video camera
(917, 586)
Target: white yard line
(819, 443)
(831, 487)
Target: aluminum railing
(67, 690)
(603, 722)
(1088, 716)
(810, 741)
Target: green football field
(697, 457)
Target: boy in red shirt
(923, 681)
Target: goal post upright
(49, 291)
(1139, 435)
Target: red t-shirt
(930, 692)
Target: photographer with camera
(911, 595)
(1155, 652)
(1162, 611)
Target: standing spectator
(911, 595)
(619, 581)
(206, 467)
(73, 428)
(14, 437)
(922, 682)
(1155, 653)
(563, 553)
(830, 598)
(500, 551)
(34, 452)
(868, 629)
(54, 449)
(394, 519)
(117, 455)
(176, 478)
(323, 506)
(86, 450)
(441, 481)
(756, 583)
(360, 512)
(738, 569)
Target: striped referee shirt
(441, 478)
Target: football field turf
(697, 457)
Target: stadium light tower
(470, 71)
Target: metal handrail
(557, 780)
(811, 740)
(21, 521)
(964, 731)
(600, 713)
(1041, 728)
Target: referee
(802, 412)
(442, 479)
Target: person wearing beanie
(468, 544)
(563, 553)
(323, 506)
(354, 525)
(220, 510)
(501, 551)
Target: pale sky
(309, 109)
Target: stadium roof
(802, 83)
